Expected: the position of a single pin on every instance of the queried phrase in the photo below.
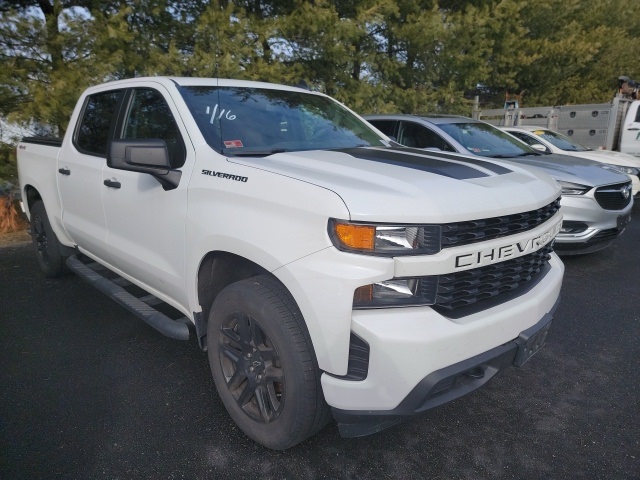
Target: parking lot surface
(88, 391)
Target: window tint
(385, 126)
(524, 137)
(149, 117)
(93, 133)
(414, 135)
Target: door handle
(64, 171)
(112, 184)
(633, 129)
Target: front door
(145, 222)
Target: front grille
(464, 233)
(461, 289)
(612, 198)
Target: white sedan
(549, 141)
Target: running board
(139, 306)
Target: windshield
(560, 141)
(486, 140)
(252, 121)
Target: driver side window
(418, 136)
(149, 117)
(528, 139)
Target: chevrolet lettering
(497, 254)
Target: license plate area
(623, 221)
(531, 341)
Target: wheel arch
(31, 195)
(217, 270)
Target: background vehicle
(324, 271)
(549, 141)
(612, 126)
(596, 202)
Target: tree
(374, 55)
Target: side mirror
(539, 147)
(144, 156)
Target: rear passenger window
(92, 135)
(149, 117)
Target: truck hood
(408, 185)
(568, 168)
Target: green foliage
(8, 167)
(374, 55)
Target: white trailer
(610, 126)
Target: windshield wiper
(255, 153)
(515, 155)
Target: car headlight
(628, 170)
(385, 239)
(397, 292)
(569, 188)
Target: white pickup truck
(325, 269)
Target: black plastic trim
(176, 329)
(358, 368)
(492, 302)
(49, 141)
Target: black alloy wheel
(252, 368)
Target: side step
(139, 306)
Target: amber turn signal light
(357, 237)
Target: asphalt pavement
(87, 391)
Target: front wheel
(48, 248)
(263, 363)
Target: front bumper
(448, 383)
(407, 346)
(587, 226)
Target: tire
(48, 248)
(263, 363)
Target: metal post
(475, 113)
(552, 119)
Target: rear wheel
(264, 365)
(48, 248)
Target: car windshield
(486, 140)
(560, 141)
(258, 121)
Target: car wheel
(48, 248)
(263, 363)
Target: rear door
(80, 179)
(630, 139)
(146, 223)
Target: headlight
(398, 292)
(629, 170)
(569, 188)
(385, 240)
